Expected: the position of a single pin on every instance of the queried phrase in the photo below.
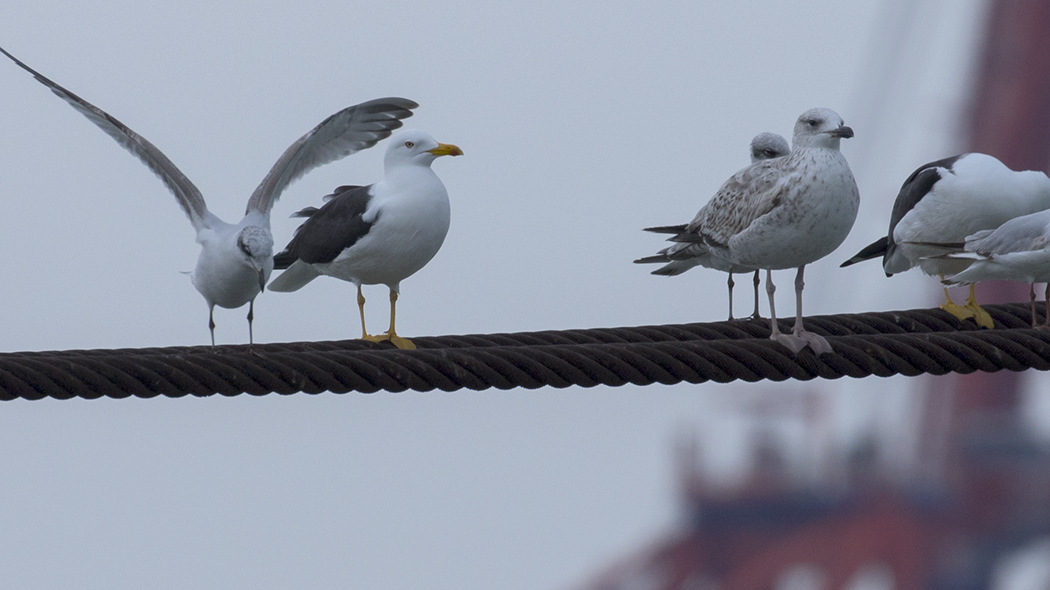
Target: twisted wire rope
(883, 343)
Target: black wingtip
(874, 250)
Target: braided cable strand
(883, 344)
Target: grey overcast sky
(582, 122)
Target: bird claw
(796, 342)
(397, 341)
(791, 342)
(980, 316)
(959, 311)
(818, 343)
(402, 343)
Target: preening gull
(785, 213)
(946, 201)
(683, 256)
(236, 259)
(376, 234)
(1019, 250)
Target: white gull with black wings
(236, 259)
(945, 201)
(378, 234)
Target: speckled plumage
(681, 257)
(785, 213)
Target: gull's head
(766, 146)
(820, 128)
(256, 247)
(419, 148)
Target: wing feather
(348, 131)
(188, 196)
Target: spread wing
(188, 196)
(350, 130)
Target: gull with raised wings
(236, 259)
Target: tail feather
(666, 229)
(295, 278)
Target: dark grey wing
(186, 193)
(917, 186)
(350, 130)
(329, 230)
(1021, 234)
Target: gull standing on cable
(236, 259)
(946, 201)
(378, 234)
(785, 213)
(1019, 250)
(682, 257)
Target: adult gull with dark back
(681, 257)
(378, 234)
(946, 201)
(236, 259)
(785, 213)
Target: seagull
(376, 234)
(682, 257)
(785, 213)
(1019, 250)
(236, 259)
(946, 201)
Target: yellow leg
(361, 307)
(953, 308)
(391, 334)
(979, 314)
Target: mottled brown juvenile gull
(945, 201)
(785, 213)
(681, 257)
(378, 234)
(236, 259)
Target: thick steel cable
(883, 344)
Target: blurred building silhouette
(978, 490)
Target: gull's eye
(813, 122)
(244, 248)
(410, 144)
